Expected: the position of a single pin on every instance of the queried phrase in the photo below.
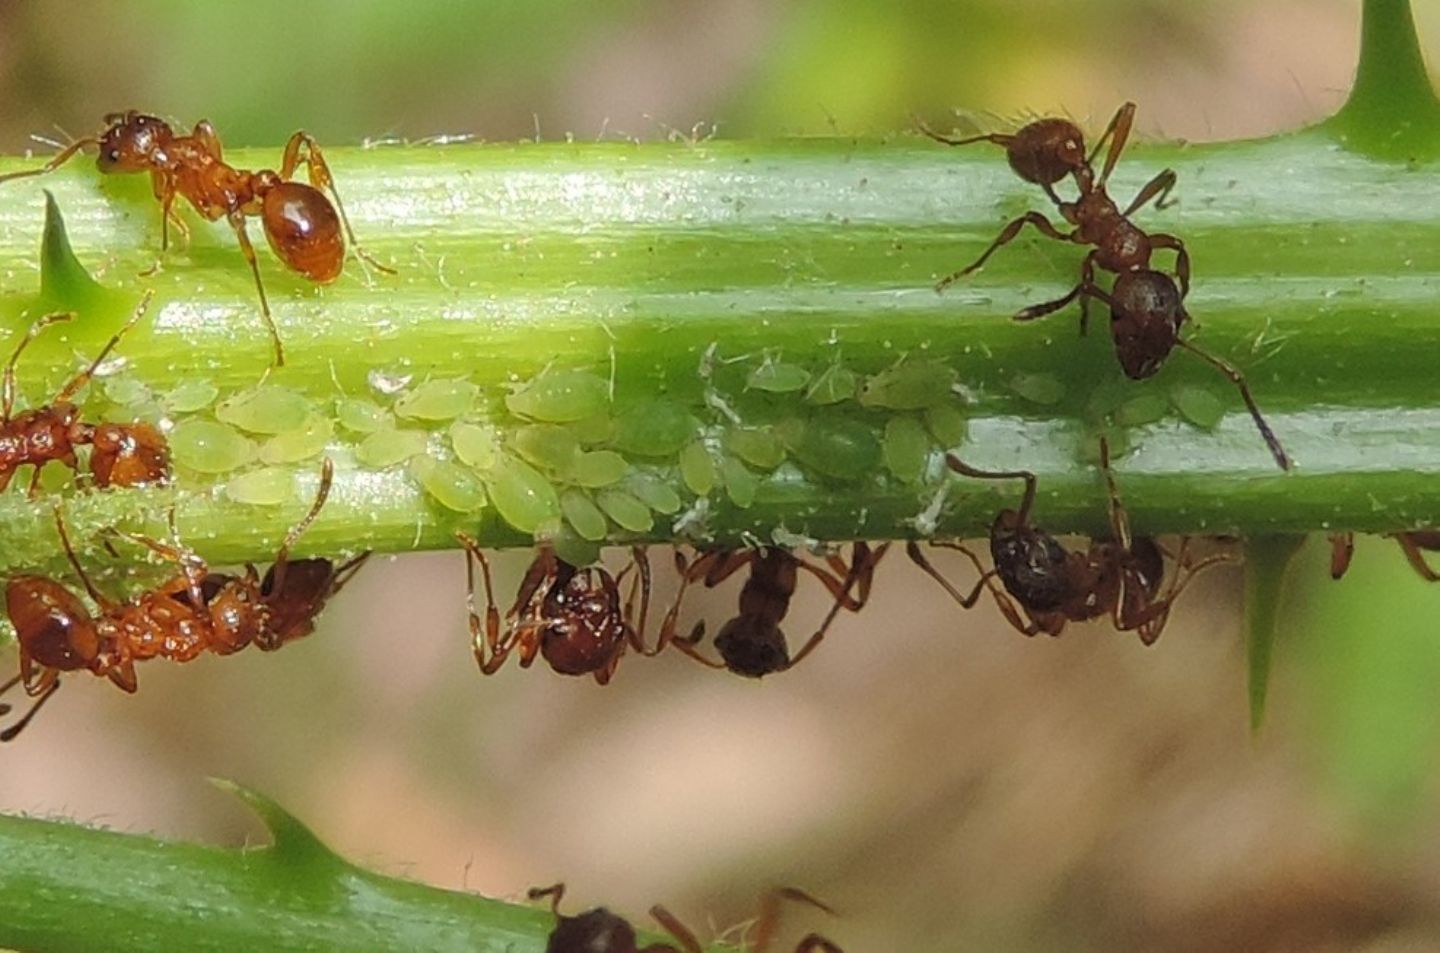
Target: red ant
(570, 616)
(752, 644)
(301, 224)
(1146, 308)
(122, 454)
(600, 931)
(1120, 576)
(194, 611)
(1415, 543)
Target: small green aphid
(190, 396)
(599, 468)
(386, 448)
(835, 384)
(697, 469)
(654, 428)
(740, 484)
(838, 448)
(1199, 405)
(437, 400)
(1141, 410)
(569, 545)
(907, 448)
(476, 445)
(207, 446)
(267, 486)
(308, 441)
(546, 445)
(909, 385)
(627, 512)
(127, 391)
(778, 378)
(582, 514)
(654, 492)
(1046, 390)
(561, 397)
(947, 424)
(452, 486)
(362, 416)
(522, 496)
(264, 409)
(757, 446)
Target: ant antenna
(1238, 379)
(1119, 521)
(282, 558)
(7, 401)
(9, 734)
(89, 372)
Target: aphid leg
(1238, 380)
(491, 625)
(282, 558)
(1119, 519)
(1119, 129)
(1416, 557)
(7, 387)
(676, 929)
(1027, 502)
(320, 178)
(1158, 188)
(1006, 236)
(768, 922)
(59, 159)
(1342, 550)
(237, 222)
(81, 379)
(48, 685)
(1182, 258)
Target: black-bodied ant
(752, 643)
(300, 223)
(572, 617)
(1121, 576)
(600, 931)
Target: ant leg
(1342, 550)
(209, 139)
(1150, 621)
(7, 388)
(682, 934)
(541, 567)
(320, 178)
(556, 893)
(51, 684)
(725, 564)
(918, 557)
(860, 572)
(237, 222)
(1027, 502)
(282, 558)
(346, 571)
(639, 558)
(1182, 258)
(688, 645)
(1119, 519)
(768, 922)
(1416, 557)
(1006, 236)
(81, 379)
(60, 158)
(1119, 128)
(688, 573)
(190, 563)
(1158, 188)
(1085, 290)
(473, 553)
(1238, 380)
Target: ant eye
(113, 155)
(140, 121)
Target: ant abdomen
(1145, 317)
(303, 230)
(57, 629)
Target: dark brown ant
(1121, 576)
(752, 644)
(194, 611)
(121, 454)
(600, 931)
(1415, 543)
(301, 224)
(570, 616)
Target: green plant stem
(66, 888)
(1392, 112)
(1315, 272)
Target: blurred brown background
(944, 782)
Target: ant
(752, 644)
(1146, 307)
(570, 616)
(300, 223)
(1415, 543)
(194, 611)
(121, 454)
(1120, 577)
(600, 931)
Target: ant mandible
(600, 931)
(300, 223)
(121, 454)
(1120, 577)
(752, 644)
(571, 616)
(1415, 543)
(192, 612)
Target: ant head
(597, 929)
(1146, 565)
(1145, 317)
(292, 610)
(52, 625)
(586, 626)
(752, 647)
(130, 140)
(235, 610)
(1047, 150)
(129, 455)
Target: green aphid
(362, 416)
(264, 409)
(654, 428)
(127, 391)
(947, 424)
(386, 448)
(627, 512)
(476, 445)
(777, 378)
(547, 446)
(582, 514)
(452, 486)
(1106, 398)
(1141, 410)
(190, 396)
(310, 440)
(907, 448)
(697, 469)
(1199, 405)
(909, 385)
(267, 486)
(207, 446)
(561, 397)
(594, 430)
(838, 448)
(437, 400)
(653, 492)
(757, 446)
(835, 384)
(740, 484)
(1046, 390)
(599, 468)
(522, 496)
(570, 546)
